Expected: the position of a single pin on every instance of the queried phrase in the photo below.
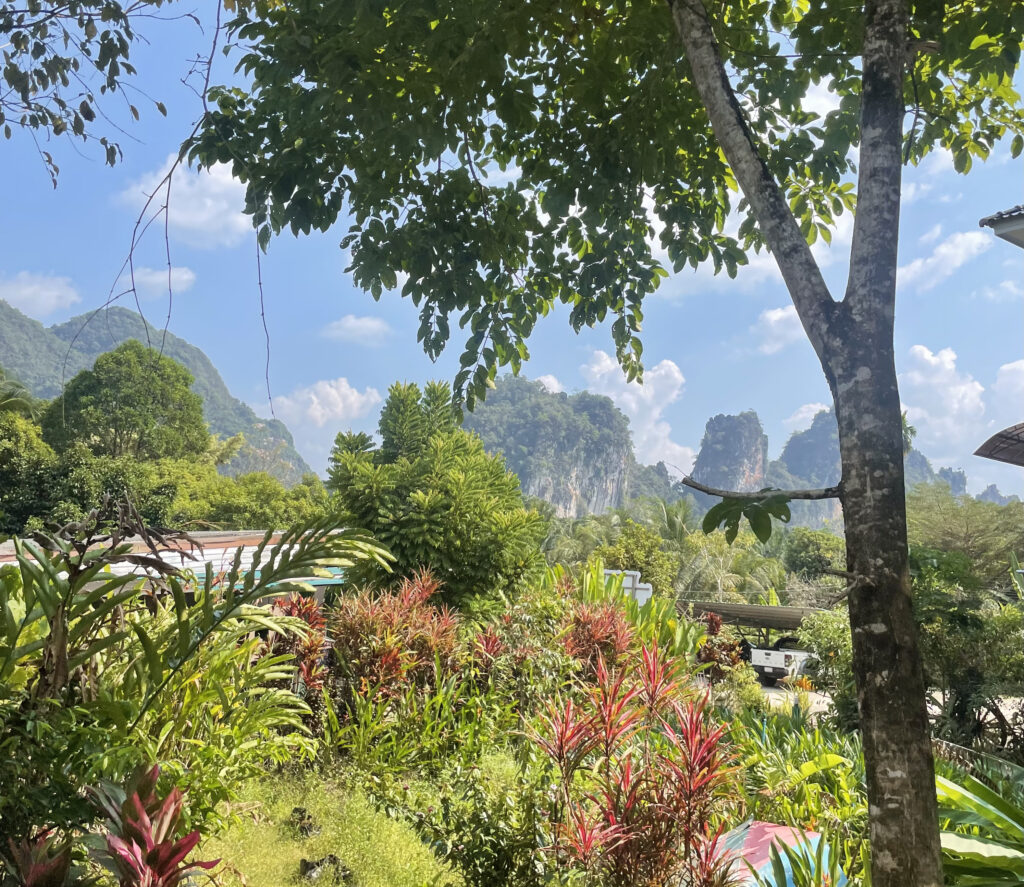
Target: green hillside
(44, 357)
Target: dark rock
(733, 454)
(329, 865)
(991, 494)
(571, 450)
(302, 821)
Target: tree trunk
(886, 655)
(854, 342)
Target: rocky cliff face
(991, 494)
(956, 479)
(583, 485)
(733, 454)
(573, 451)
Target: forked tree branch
(823, 493)
(814, 303)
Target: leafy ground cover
(265, 847)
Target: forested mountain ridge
(575, 451)
(43, 358)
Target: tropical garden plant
(102, 668)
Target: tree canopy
(133, 402)
(59, 59)
(505, 156)
(499, 158)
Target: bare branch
(810, 294)
(842, 574)
(824, 493)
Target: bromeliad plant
(144, 844)
(43, 861)
(641, 771)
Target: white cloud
(946, 405)
(205, 207)
(360, 330)
(551, 383)
(951, 254)
(644, 405)
(931, 235)
(151, 282)
(1009, 384)
(803, 416)
(1005, 291)
(820, 99)
(328, 400)
(777, 328)
(38, 294)
(938, 162)
(914, 191)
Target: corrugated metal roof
(753, 615)
(1012, 213)
(1005, 446)
(217, 547)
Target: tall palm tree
(16, 398)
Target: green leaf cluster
(498, 159)
(58, 60)
(757, 509)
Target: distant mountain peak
(44, 358)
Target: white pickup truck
(782, 660)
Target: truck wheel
(767, 681)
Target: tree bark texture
(854, 343)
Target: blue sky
(711, 344)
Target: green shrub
(810, 552)
(740, 691)
(803, 776)
(435, 498)
(827, 635)
(639, 548)
(488, 826)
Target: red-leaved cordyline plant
(309, 650)
(41, 862)
(641, 769)
(143, 848)
(488, 645)
(718, 653)
(388, 640)
(595, 632)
